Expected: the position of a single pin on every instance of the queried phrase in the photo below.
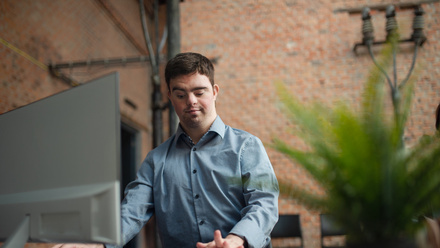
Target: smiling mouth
(191, 111)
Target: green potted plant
(375, 186)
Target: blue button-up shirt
(224, 182)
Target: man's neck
(197, 133)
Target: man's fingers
(218, 238)
(201, 245)
(226, 244)
(219, 242)
(78, 246)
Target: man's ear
(169, 94)
(216, 90)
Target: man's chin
(193, 122)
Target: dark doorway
(128, 164)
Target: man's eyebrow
(199, 88)
(176, 88)
(193, 89)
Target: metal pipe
(156, 29)
(378, 66)
(416, 49)
(147, 35)
(157, 94)
(101, 62)
(382, 7)
(173, 23)
(374, 43)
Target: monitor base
(20, 235)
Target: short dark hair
(189, 63)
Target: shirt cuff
(252, 235)
(245, 243)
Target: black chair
(288, 226)
(329, 229)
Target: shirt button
(194, 149)
(202, 222)
(194, 171)
(197, 196)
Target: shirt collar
(218, 126)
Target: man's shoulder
(237, 131)
(232, 132)
(162, 148)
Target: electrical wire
(24, 54)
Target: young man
(209, 180)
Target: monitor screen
(60, 167)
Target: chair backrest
(330, 228)
(288, 226)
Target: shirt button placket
(195, 186)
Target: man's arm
(137, 206)
(260, 191)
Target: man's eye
(199, 93)
(180, 96)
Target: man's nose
(192, 99)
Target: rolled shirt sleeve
(260, 190)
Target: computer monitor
(60, 167)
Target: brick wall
(304, 43)
(37, 33)
(34, 34)
(307, 45)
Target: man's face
(193, 98)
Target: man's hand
(231, 241)
(78, 246)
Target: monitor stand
(20, 235)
